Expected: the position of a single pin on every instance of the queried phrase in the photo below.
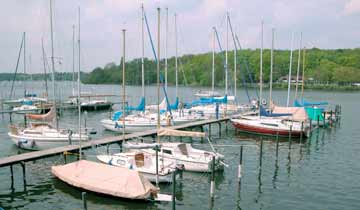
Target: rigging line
(246, 66)
(17, 65)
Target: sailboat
(38, 136)
(273, 122)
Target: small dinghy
(108, 180)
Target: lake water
(321, 173)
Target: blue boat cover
(175, 105)
(140, 107)
(212, 100)
(305, 103)
(116, 115)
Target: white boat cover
(298, 113)
(162, 106)
(105, 179)
(172, 132)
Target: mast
(303, 75)
(44, 63)
(226, 53)
(261, 62)
(78, 86)
(73, 61)
(298, 68)
(53, 63)
(166, 47)
(271, 63)
(176, 59)
(289, 78)
(158, 75)
(142, 53)
(24, 63)
(213, 62)
(123, 85)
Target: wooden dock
(30, 156)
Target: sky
(326, 24)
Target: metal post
(83, 196)
(212, 183)
(240, 164)
(261, 151)
(24, 173)
(290, 136)
(173, 188)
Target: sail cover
(297, 113)
(43, 117)
(172, 132)
(105, 179)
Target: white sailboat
(142, 162)
(184, 154)
(42, 136)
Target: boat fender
(263, 101)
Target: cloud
(352, 7)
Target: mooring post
(290, 136)
(65, 154)
(324, 123)
(331, 117)
(24, 174)
(174, 188)
(202, 130)
(261, 151)
(318, 120)
(310, 128)
(226, 126)
(209, 129)
(212, 183)
(277, 144)
(12, 176)
(10, 117)
(121, 146)
(219, 129)
(83, 197)
(217, 111)
(240, 164)
(302, 131)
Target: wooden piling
(174, 188)
(290, 136)
(261, 152)
(24, 172)
(212, 183)
(240, 164)
(12, 176)
(277, 144)
(83, 197)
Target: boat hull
(36, 143)
(268, 131)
